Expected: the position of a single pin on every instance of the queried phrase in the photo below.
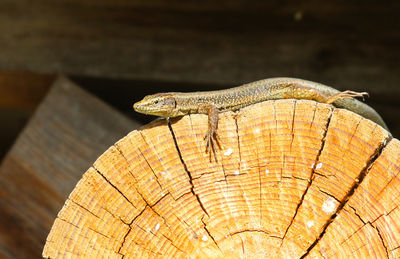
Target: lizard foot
(211, 137)
(346, 95)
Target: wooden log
(69, 129)
(292, 179)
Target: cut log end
(292, 179)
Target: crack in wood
(148, 205)
(147, 162)
(70, 223)
(130, 172)
(241, 240)
(115, 216)
(172, 243)
(186, 169)
(98, 232)
(389, 182)
(397, 247)
(346, 198)
(312, 175)
(381, 238)
(85, 209)
(292, 130)
(253, 230)
(137, 216)
(208, 232)
(238, 138)
(130, 229)
(372, 225)
(184, 194)
(328, 194)
(105, 178)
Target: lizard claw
(347, 95)
(211, 138)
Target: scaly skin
(175, 104)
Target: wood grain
(68, 131)
(292, 179)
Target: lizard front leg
(211, 134)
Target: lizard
(175, 104)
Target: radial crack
(292, 129)
(208, 232)
(186, 169)
(130, 172)
(311, 178)
(79, 205)
(123, 195)
(373, 226)
(149, 165)
(381, 238)
(123, 241)
(98, 232)
(238, 137)
(350, 193)
(70, 223)
(130, 228)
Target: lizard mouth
(137, 107)
(142, 108)
(145, 108)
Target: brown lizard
(176, 104)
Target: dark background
(122, 50)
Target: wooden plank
(343, 43)
(20, 94)
(69, 130)
(23, 90)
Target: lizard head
(163, 105)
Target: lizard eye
(156, 101)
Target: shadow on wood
(293, 179)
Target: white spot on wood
(310, 223)
(319, 165)
(257, 131)
(312, 165)
(237, 172)
(244, 166)
(329, 205)
(157, 226)
(204, 238)
(266, 171)
(163, 173)
(228, 152)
